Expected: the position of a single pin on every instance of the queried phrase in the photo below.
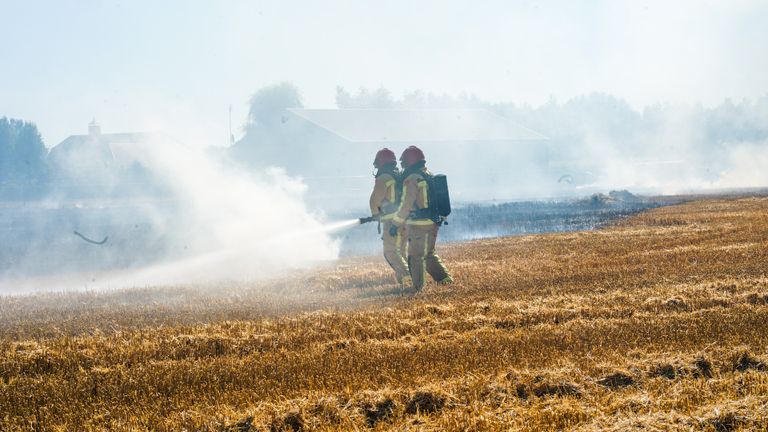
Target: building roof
(417, 125)
(122, 147)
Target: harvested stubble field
(658, 322)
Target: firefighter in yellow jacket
(414, 213)
(384, 202)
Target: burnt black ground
(487, 220)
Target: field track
(659, 321)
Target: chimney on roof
(94, 130)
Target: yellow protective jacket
(383, 198)
(415, 197)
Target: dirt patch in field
(438, 310)
(745, 361)
(524, 385)
(726, 422)
(291, 422)
(378, 411)
(676, 303)
(425, 402)
(757, 298)
(666, 370)
(703, 367)
(505, 324)
(556, 389)
(327, 409)
(483, 307)
(339, 345)
(244, 425)
(617, 380)
(670, 304)
(495, 393)
(521, 391)
(700, 367)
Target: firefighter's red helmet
(383, 157)
(411, 155)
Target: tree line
(576, 128)
(597, 128)
(595, 113)
(573, 123)
(23, 165)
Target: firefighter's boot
(406, 285)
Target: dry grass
(658, 322)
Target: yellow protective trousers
(395, 250)
(421, 255)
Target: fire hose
(91, 241)
(365, 220)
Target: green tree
(23, 168)
(364, 99)
(5, 148)
(268, 105)
(271, 134)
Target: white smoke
(745, 166)
(224, 224)
(241, 222)
(671, 153)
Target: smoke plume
(205, 222)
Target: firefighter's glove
(393, 230)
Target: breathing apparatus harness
(438, 201)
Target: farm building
(484, 154)
(99, 164)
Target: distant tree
(344, 100)
(268, 105)
(30, 152)
(444, 100)
(23, 168)
(22, 152)
(270, 130)
(415, 99)
(6, 148)
(381, 98)
(745, 121)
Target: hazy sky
(177, 65)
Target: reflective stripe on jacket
(415, 197)
(382, 201)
